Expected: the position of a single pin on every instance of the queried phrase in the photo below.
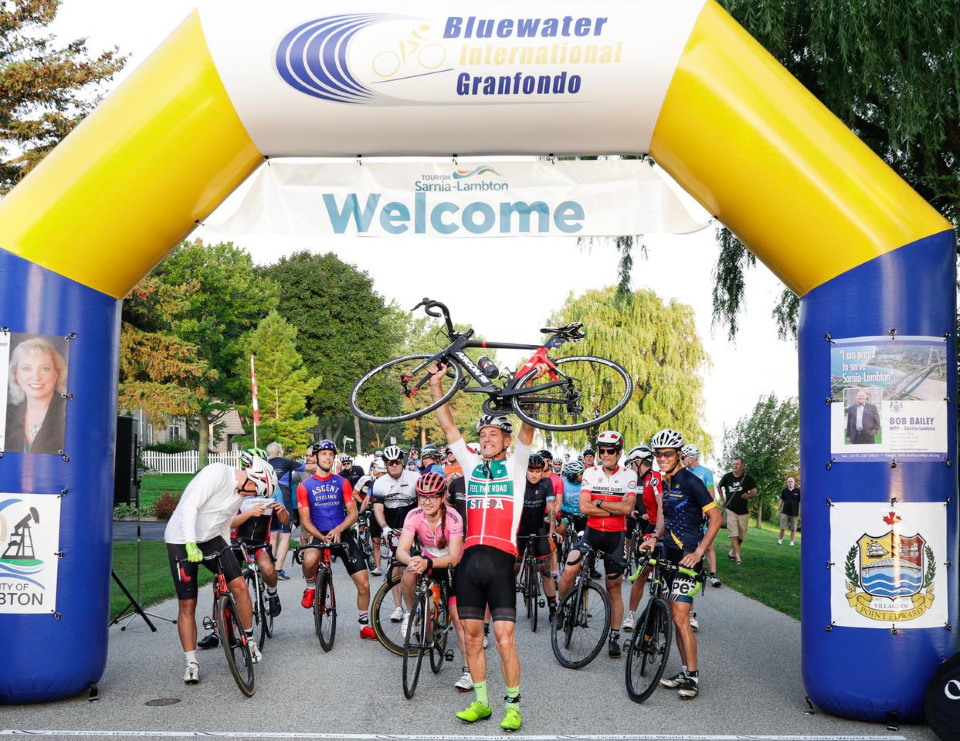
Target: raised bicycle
(648, 651)
(575, 393)
(325, 600)
(583, 617)
(227, 620)
(427, 628)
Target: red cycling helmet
(431, 485)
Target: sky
(473, 276)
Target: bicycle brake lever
(424, 302)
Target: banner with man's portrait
(33, 388)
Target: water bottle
(488, 367)
(384, 548)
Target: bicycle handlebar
(211, 557)
(666, 566)
(298, 551)
(431, 308)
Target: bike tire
(325, 611)
(649, 650)
(388, 633)
(267, 616)
(607, 403)
(384, 390)
(438, 646)
(253, 592)
(235, 646)
(414, 646)
(533, 609)
(582, 635)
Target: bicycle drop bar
(298, 551)
(665, 566)
(212, 557)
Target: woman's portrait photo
(36, 383)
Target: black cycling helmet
(536, 461)
(545, 454)
(588, 451)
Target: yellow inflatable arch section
(678, 79)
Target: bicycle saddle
(570, 332)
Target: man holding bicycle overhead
(495, 486)
(607, 496)
(327, 510)
(200, 527)
(439, 530)
(686, 502)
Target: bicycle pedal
(208, 623)
(542, 602)
(448, 656)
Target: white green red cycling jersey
(494, 496)
(614, 487)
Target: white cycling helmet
(639, 453)
(499, 421)
(572, 468)
(263, 476)
(667, 439)
(610, 439)
(692, 450)
(392, 453)
(379, 466)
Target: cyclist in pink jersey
(495, 488)
(439, 530)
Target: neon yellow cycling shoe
(511, 720)
(475, 711)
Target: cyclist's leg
(544, 552)
(311, 560)
(471, 601)
(356, 566)
(267, 568)
(636, 592)
(614, 563)
(408, 586)
(502, 599)
(571, 569)
(185, 582)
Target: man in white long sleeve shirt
(200, 527)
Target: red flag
(253, 383)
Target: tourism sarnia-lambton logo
(387, 59)
(890, 577)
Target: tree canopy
(45, 89)
(657, 343)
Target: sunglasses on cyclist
(430, 497)
(394, 463)
(665, 454)
(609, 451)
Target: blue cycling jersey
(685, 502)
(327, 499)
(571, 497)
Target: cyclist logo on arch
(414, 56)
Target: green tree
(220, 296)
(344, 328)
(768, 440)
(45, 89)
(889, 71)
(657, 343)
(283, 384)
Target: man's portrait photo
(863, 415)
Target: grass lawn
(156, 583)
(770, 573)
(151, 487)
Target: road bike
(364, 537)
(575, 393)
(648, 651)
(583, 617)
(228, 626)
(529, 581)
(325, 599)
(262, 617)
(428, 625)
(384, 614)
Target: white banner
(29, 541)
(889, 565)
(537, 77)
(479, 199)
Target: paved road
(750, 664)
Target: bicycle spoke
(399, 390)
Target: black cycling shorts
(351, 555)
(485, 577)
(611, 545)
(394, 517)
(680, 587)
(375, 530)
(254, 549)
(185, 573)
(540, 543)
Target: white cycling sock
(191, 657)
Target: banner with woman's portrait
(33, 388)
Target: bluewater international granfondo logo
(890, 577)
(18, 558)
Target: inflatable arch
(677, 79)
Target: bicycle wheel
(578, 637)
(325, 610)
(649, 650)
(438, 646)
(414, 646)
(533, 596)
(398, 390)
(235, 646)
(594, 390)
(267, 616)
(256, 605)
(385, 602)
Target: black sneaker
(675, 681)
(210, 640)
(613, 647)
(688, 688)
(273, 604)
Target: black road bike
(583, 617)
(575, 393)
(649, 649)
(262, 618)
(529, 581)
(428, 625)
(325, 599)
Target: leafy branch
(851, 567)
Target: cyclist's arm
(587, 507)
(454, 549)
(713, 527)
(403, 547)
(444, 413)
(378, 513)
(242, 517)
(623, 507)
(281, 513)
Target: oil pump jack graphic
(19, 549)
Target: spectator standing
(280, 532)
(789, 510)
(691, 459)
(737, 488)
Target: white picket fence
(187, 462)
